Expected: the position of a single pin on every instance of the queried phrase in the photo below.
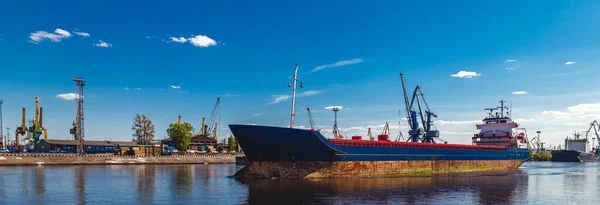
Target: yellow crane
(21, 130)
(37, 128)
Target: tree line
(180, 133)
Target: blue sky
(246, 52)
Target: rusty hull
(344, 169)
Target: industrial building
(198, 143)
(70, 146)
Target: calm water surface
(533, 183)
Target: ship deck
(368, 143)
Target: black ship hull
(572, 156)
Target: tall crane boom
(594, 125)
(212, 121)
(428, 133)
(311, 122)
(408, 111)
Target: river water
(533, 183)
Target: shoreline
(41, 159)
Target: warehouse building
(197, 143)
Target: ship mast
(294, 97)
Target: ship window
(502, 121)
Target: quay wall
(109, 159)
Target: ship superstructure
(499, 129)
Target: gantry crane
(428, 133)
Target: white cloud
(198, 40)
(281, 98)
(519, 93)
(570, 62)
(179, 40)
(557, 114)
(258, 114)
(338, 64)
(310, 93)
(525, 120)
(175, 86)
(103, 44)
(510, 68)
(582, 112)
(510, 61)
(57, 36)
(334, 106)
(229, 95)
(138, 88)
(68, 96)
(585, 108)
(450, 122)
(576, 124)
(126, 88)
(62, 32)
(84, 34)
(202, 41)
(465, 74)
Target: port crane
(35, 129)
(20, 130)
(594, 125)
(400, 136)
(212, 126)
(536, 143)
(386, 129)
(311, 122)
(427, 134)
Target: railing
(368, 143)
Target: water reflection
(80, 174)
(537, 183)
(182, 180)
(495, 189)
(145, 179)
(39, 181)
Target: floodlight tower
(336, 131)
(79, 84)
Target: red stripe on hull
(411, 145)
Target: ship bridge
(499, 129)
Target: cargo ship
(288, 152)
(576, 150)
